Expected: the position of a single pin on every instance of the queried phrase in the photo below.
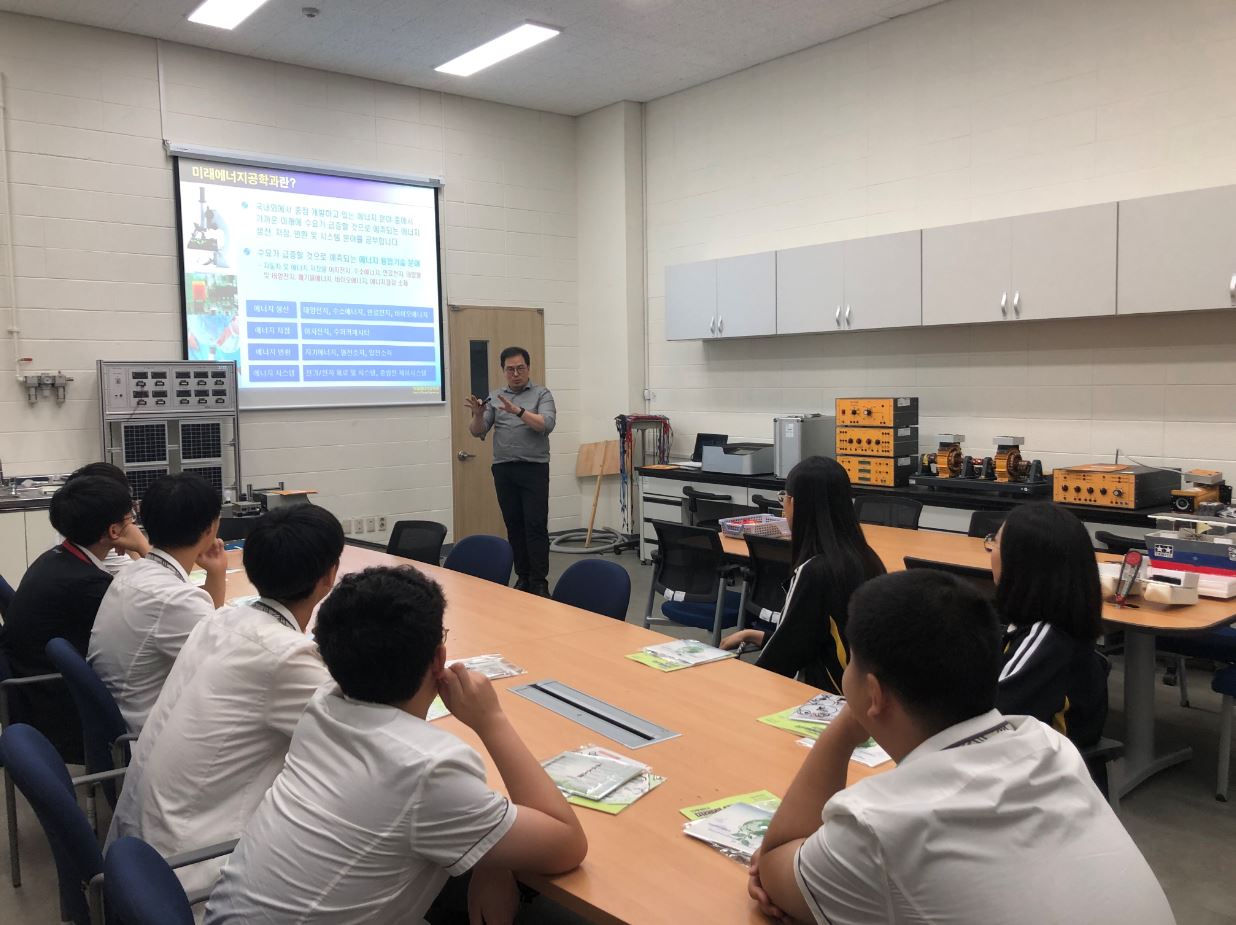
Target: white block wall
(968, 110)
(96, 245)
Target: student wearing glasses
(1048, 598)
(522, 416)
(831, 559)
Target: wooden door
(477, 336)
(884, 282)
(1178, 252)
(1064, 263)
(966, 273)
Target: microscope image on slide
(207, 243)
(212, 322)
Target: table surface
(640, 867)
(893, 544)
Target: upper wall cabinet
(691, 300)
(747, 295)
(852, 285)
(1178, 252)
(1051, 265)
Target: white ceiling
(610, 50)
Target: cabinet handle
(1017, 303)
(712, 325)
(847, 315)
(837, 317)
(720, 325)
(1004, 304)
(1231, 287)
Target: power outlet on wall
(381, 524)
(371, 524)
(346, 523)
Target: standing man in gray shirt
(522, 416)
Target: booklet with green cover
(625, 795)
(761, 799)
(681, 653)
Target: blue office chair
(140, 889)
(481, 556)
(6, 596)
(690, 573)
(600, 585)
(104, 732)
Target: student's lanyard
(74, 551)
(266, 608)
(155, 557)
(1002, 726)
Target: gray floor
(1188, 837)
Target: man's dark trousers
(523, 495)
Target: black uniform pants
(523, 495)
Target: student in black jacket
(58, 596)
(1047, 592)
(831, 559)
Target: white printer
(739, 458)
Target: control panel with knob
(1114, 486)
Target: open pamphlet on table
(735, 825)
(437, 710)
(809, 720)
(681, 653)
(597, 778)
(493, 667)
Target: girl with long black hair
(831, 559)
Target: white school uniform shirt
(994, 821)
(373, 810)
(218, 733)
(143, 621)
(111, 563)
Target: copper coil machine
(1006, 472)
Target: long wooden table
(640, 867)
(1141, 625)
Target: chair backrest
(770, 567)
(39, 773)
(768, 505)
(600, 585)
(6, 596)
(1114, 542)
(102, 722)
(482, 556)
(420, 540)
(140, 889)
(981, 578)
(888, 512)
(983, 523)
(688, 560)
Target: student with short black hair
(151, 606)
(220, 729)
(59, 596)
(986, 817)
(132, 544)
(375, 807)
(1048, 596)
(831, 560)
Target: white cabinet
(883, 282)
(1178, 252)
(691, 300)
(13, 546)
(810, 290)
(747, 295)
(40, 534)
(1051, 265)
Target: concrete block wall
(95, 243)
(968, 110)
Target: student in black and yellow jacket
(1047, 594)
(831, 559)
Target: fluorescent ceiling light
(224, 14)
(499, 49)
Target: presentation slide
(323, 289)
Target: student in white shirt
(151, 606)
(221, 727)
(375, 807)
(985, 819)
(132, 544)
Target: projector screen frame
(178, 151)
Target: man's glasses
(514, 370)
(989, 542)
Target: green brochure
(797, 726)
(761, 799)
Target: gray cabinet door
(883, 282)
(966, 273)
(1178, 252)
(809, 289)
(747, 295)
(1064, 263)
(691, 300)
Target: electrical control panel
(877, 412)
(1118, 486)
(868, 470)
(878, 441)
(167, 389)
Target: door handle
(1017, 303)
(1004, 304)
(464, 455)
